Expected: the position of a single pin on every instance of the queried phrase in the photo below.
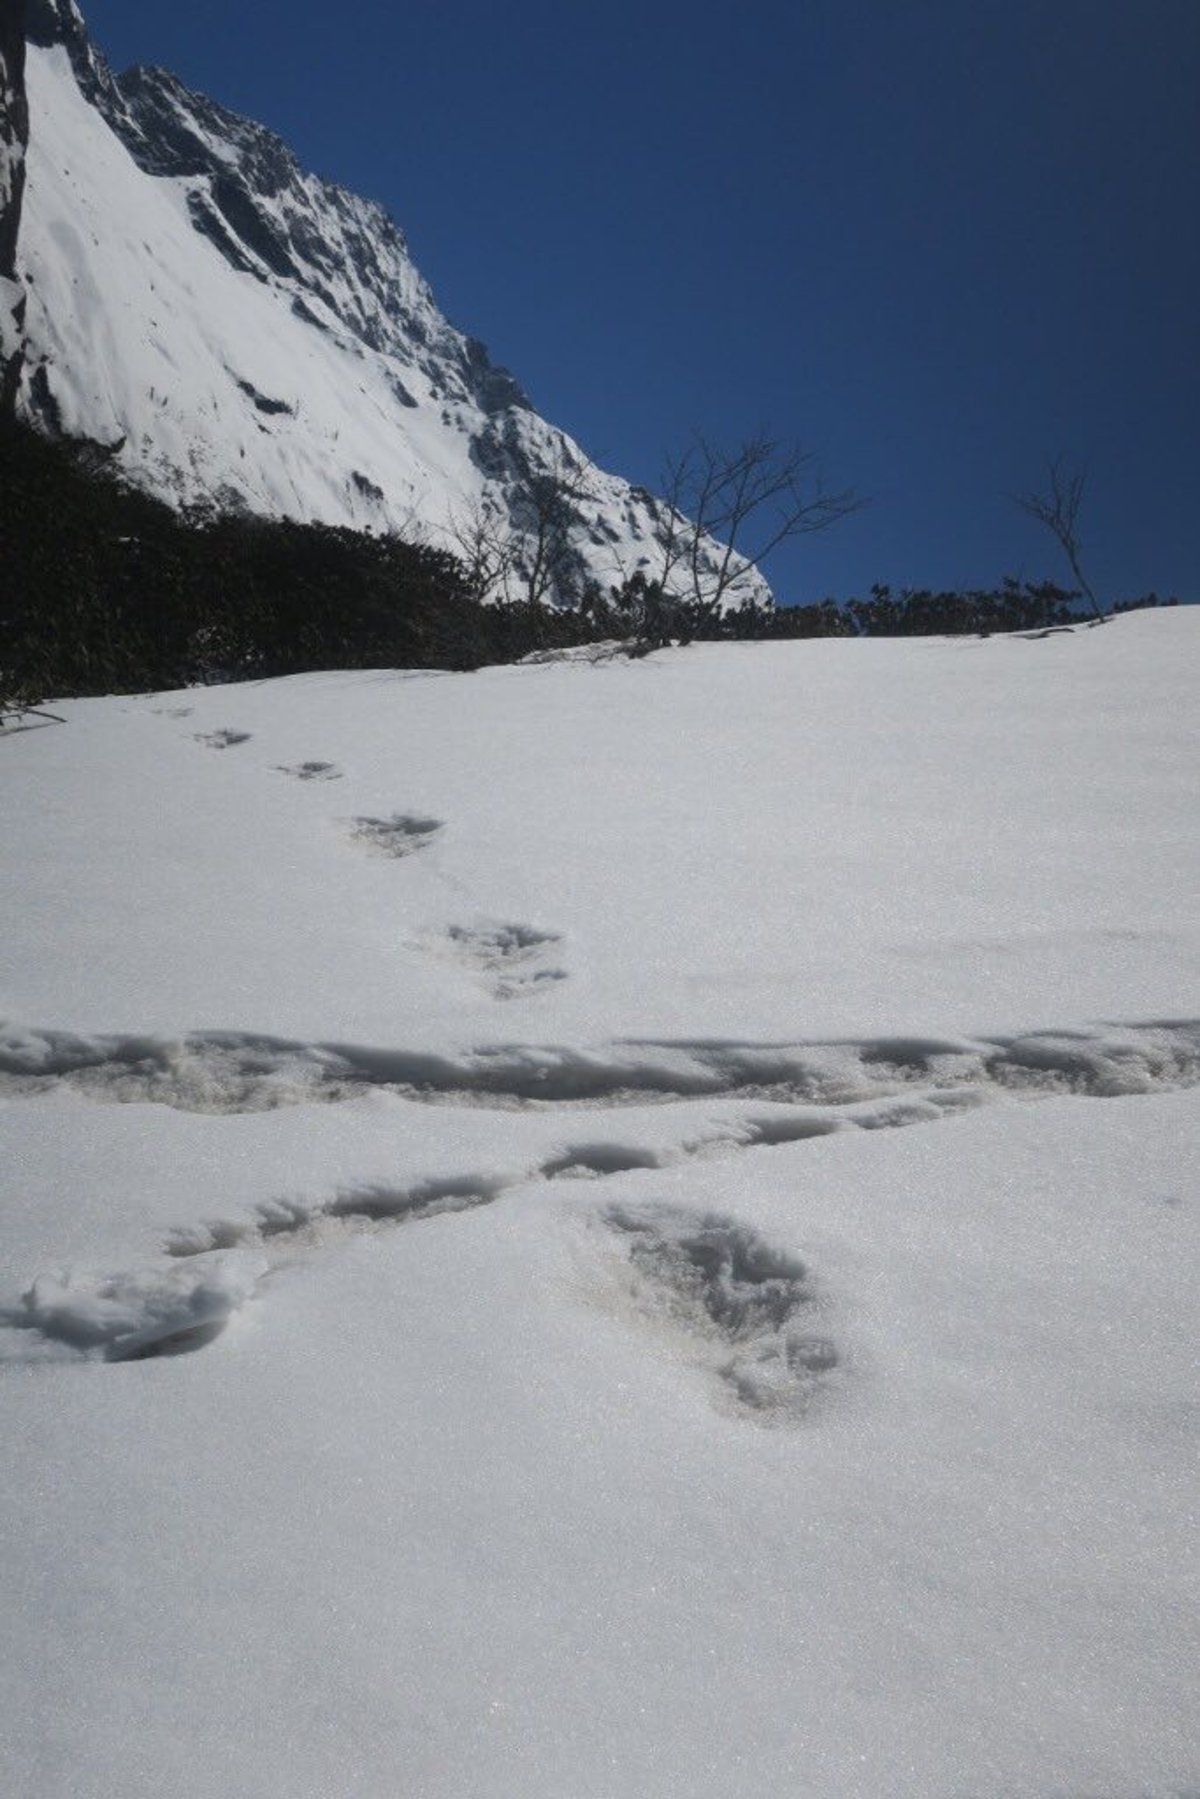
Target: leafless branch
(545, 558)
(485, 547)
(1058, 509)
(748, 501)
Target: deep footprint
(514, 960)
(237, 1071)
(377, 1204)
(310, 771)
(400, 835)
(221, 740)
(595, 1161)
(750, 1305)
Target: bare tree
(1058, 509)
(484, 545)
(524, 553)
(748, 501)
(544, 557)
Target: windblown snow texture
(241, 333)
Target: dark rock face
(270, 219)
(323, 256)
(51, 22)
(14, 130)
(343, 258)
(14, 137)
(265, 215)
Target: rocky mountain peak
(243, 333)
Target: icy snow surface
(473, 1323)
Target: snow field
(789, 843)
(971, 1549)
(473, 1321)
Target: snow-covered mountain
(239, 332)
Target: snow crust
(475, 1319)
(135, 1310)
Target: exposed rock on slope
(14, 136)
(243, 334)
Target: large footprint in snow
(750, 1307)
(514, 961)
(310, 771)
(221, 740)
(402, 834)
(140, 1312)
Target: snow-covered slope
(244, 333)
(502, 1083)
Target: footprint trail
(750, 1311)
(235, 1071)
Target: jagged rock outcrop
(241, 334)
(14, 138)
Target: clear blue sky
(936, 241)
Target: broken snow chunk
(143, 1311)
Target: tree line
(105, 589)
(639, 609)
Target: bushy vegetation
(1013, 606)
(106, 590)
(640, 609)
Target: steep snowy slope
(243, 333)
